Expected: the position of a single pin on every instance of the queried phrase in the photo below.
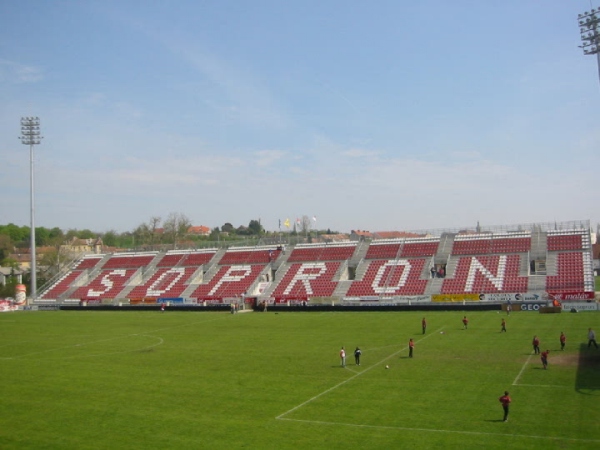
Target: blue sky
(385, 115)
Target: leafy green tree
(141, 235)
(17, 234)
(9, 262)
(255, 227)
(227, 228)
(126, 240)
(110, 238)
(214, 234)
(242, 231)
(10, 289)
(56, 233)
(71, 233)
(86, 234)
(41, 236)
(6, 246)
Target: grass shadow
(588, 371)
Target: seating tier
(128, 261)
(166, 282)
(396, 248)
(229, 281)
(249, 257)
(491, 244)
(308, 279)
(390, 277)
(88, 263)
(573, 273)
(185, 259)
(560, 241)
(108, 284)
(61, 286)
(322, 253)
(486, 274)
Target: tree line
(154, 233)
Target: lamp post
(30, 135)
(589, 27)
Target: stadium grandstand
(493, 264)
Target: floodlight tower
(589, 27)
(31, 135)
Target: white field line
(109, 339)
(196, 322)
(433, 430)
(522, 369)
(544, 385)
(160, 341)
(68, 346)
(350, 379)
(15, 343)
(379, 348)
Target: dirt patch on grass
(564, 360)
(586, 358)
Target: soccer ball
(387, 367)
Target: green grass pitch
(189, 380)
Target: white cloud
(268, 157)
(244, 96)
(14, 72)
(359, 153)
(466, 154)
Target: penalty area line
(433, 430)
(522, 369)
(349, 379)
